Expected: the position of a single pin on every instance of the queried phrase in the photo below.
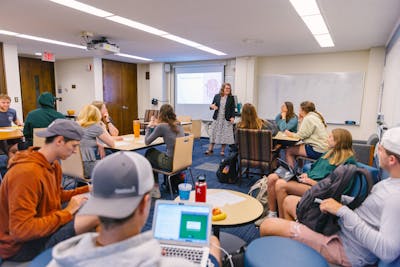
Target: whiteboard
(337, 96)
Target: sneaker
(155, 193)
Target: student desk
(13, 132)
(130, 143)
(284, 140)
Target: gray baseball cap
(391, 140)
(119, 182)
(63, 127)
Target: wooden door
(36, 77)
(3, 88)
(120, 93)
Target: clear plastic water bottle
(201, 189)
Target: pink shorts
(330, 247)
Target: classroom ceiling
(235, 27)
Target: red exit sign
(47, 56)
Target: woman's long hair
(343, 148)
(308, 106)
(89, 115)
(221, 91)
(249, 118)
(290, 111)
(168, 115)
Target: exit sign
(47, 56)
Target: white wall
(391, 89)
(368, 61)
(11, 69)
(143, 89)
(89, 85)
(245, 79)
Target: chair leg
(191, 175)
(170, 186)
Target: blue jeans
(32, 248)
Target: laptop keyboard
(192, 254)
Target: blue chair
(281, 252)
(394, 263)
(42, 259)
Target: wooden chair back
(38, 141)
(183, 153)
(196, 129)
(73, 166)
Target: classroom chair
(182, 160)
(364, 150)
(147, 116)
(38, 141)
(255, 151)
(42, 259)
(281, 252)
(73, 167)
(186, 128)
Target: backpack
(333, 186)
(259, 191)
(228, 169)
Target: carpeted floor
(208, 166)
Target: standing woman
(224, 115)
(287, 119)
(169, 128)
(90, 120)
(312, 132)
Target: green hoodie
(41, 117)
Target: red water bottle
(201, 189)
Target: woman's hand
(213, 107)
(232, 120)
(102, 152)
(288, 133)
(283, 115)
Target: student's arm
(150, 137)
(306, 129)
(107, 139)
(66, 195)
(23, 201)
(18, 122)
(383, 242)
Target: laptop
(183, 229)
(285, 172)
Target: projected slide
(197, 88)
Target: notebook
(183, 229)
(285, 172)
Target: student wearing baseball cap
(367, 234)
(31, 216)
(120, 196)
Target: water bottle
(201, 189)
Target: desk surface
(284, 137)
(245, 210)
(130, 143)
(12, 132)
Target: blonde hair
(89, 115)
(343, 148)
(249, 118)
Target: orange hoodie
(30, 201)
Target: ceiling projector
(102, 46)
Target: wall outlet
(16, 99)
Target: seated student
(121, 198)
(368, 233)
(41, 117)
(7, 114)
(169, 128)
(105, 118)
(313, 133)
(340, 152)
(287, 119)
(250, 120)
(31, 216)
(89, 118)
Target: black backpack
(228, 169)
(333, 186)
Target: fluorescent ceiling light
(132, 56)
(309, 12)
(305, 7)
(83, 7)
(210, 50)
(315, 24)
(136, 25)
(324, 40)
(8, 33)
(38, 54)
(50, 41)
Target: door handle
(125, 107)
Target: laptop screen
(182, 222)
